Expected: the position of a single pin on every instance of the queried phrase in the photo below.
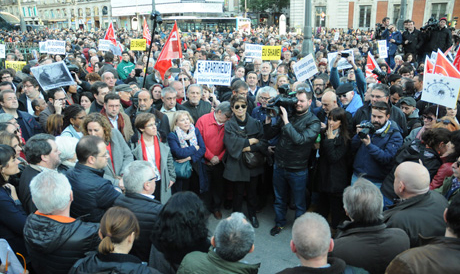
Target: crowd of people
(128, 165)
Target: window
(364, 16)
(320, 21)
(438, 10)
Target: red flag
(171, 50)
(371, 65)
(448, 51)
(428, 66)
(457, 60)
(444, 67)
(110, 34)
(146, 33)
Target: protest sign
(213, 73)
(138, 44)
(383, 51)
(2, 51)
(55, 47)
(336, 36)
(116, 50)
(440, 89)
(271, 52)
(104, 45)
(42, 47)
(16, 65)
(253, 51)
(305, 68)
(53, 75)
(343, 63)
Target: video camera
(286, 99)
(431, 25)
(381, 75)
(366, 129)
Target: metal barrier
(25, 48)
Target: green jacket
(124, 69)
(445, 189)
(202, 263)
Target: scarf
(184, 137)
(120, 121)
(156, 145)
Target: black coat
(334, 168)
(371, 247)
(160, 118)
(235, 139)
(438, 38)
(296, 140)
(197, 111)
(92, 194)
(415, 41)
(54, 246)
(146, 211)
(111, 263)
(24, 190)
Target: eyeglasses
(342, 95)
(264, 98)
(152, 179)
(456, 163)
(183, 79)
(428, 118)
(238, 106)
(105, 155)
(6, 77)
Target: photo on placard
(53, 75)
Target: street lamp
(307, 45)
(21, 18)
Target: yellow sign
(138, 44)
(271, 52)
(16, 65)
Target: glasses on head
(428, 118)
(238, 106)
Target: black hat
(344, 88)
(408, 101)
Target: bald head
(329, 101)
(411, 179)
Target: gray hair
(167, 90)
(195, 86)
(67, 146)
(5, 117)
(105, 73)
(311, 235)
(234, 237)
(136, 174)
(50, 191)
(363, 201)
(270, 90)
(224, 107)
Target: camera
(366, 129)
(431, 25)
(286, 99)
(381, 75)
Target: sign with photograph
(53, 75)
(343, 63)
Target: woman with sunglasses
(13, 217)
(429, 120)
(243, 134)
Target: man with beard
(376, 150)
(265, 77)
(350, 101)
(319, 84)
(195, 106)
(297, 134)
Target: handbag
(183, 170)
(253, 159)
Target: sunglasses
(445, 122)
(238, 106)
(428, 118)
(343, 95)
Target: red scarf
(156, 146)
(120, 121)
(109, 149)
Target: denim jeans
(297, 181)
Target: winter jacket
(24, 189)
(124, 69)
(375, 160)
(92, 194)
(438, 38)
(371, 246)
(336, 266)
(295, 141)
(446, 189)
(392, 46)
(359, 86)
(364, 113)
(55, 244)
(111, 263)
(415, 41)
(421, 214)
(444, 171)
(121, 156)
(29, 126)
(197, 111)
(146, 210)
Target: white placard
(343, 63)
(104, 45)
(2, 51)
(42, 47)
(116, 50)
(213, 73)
(440, 89)
(55, 47)
(253, 51)
(336, 36)
(305, 68)
(383, 50)
(53, 75)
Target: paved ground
(273, 253)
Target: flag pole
(156, 19)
